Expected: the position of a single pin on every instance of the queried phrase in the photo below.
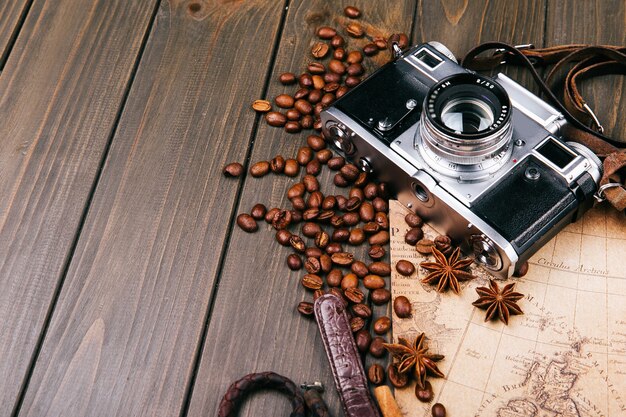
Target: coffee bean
(340, 235)
(317, 294)
(380, 205)
(356, 324)
(370, 49)
(370, 191)
(355, 30)
(298, 203)
(353, 204)
(402, 307)
(373, 282)
(376, 374)
(318, 124)
(382, 325)
(296, 216)
(284, 101)
(325, 263)
(380, 43)
(380, 268)
(342, 258)
(424, 394)
(307, 121)
(354, 69)
(380, 296)
(339, 54)
(331, 78)
(276, 119)
(318, 80)
(444, 244)
(521, 270)
(382, 220)
(294, 262)
(339, 294)
(366, 212)
(328, 98)
(334, 277)
(336, 221)
(292, 168)
(283, 236)
(296, 190)
(315, 142)
(354, 57)
(247, 223)
(313, 252)
(297, 243)
(356, 192)
(341, 202)
(379, 238)
(351, 219)
(281, 219)
(312, 265)
(293, 127)
(301, 93)
(329, 202)
(371, 227)
(333, 248)
(340, 181)
(405, 267)
(260, 169)
(438, 410)
(337, 66)
(359, 268)
(322, 239)
(305, 81)
(341, 91)
(376, 347)
(277, 164)
(400, 38)
(337, 41)
(315, 199)
(326, 32)
(234, 169)
(362, 310)
(303, 106)
(350, 172)
(363, 340)
(311, 214)
(361, 180)
(397, 379)
(261, 106)
(413, 220)
(425, 246)
(319, 50)
(258, 211)
(287, 78)
(319, 107)
(292, 114)
(354, 295)
(305, 308)
(312, 282)
(326, 215)
(336, 163)
(376, 252)
(310, 229)
(352, 12)
(269, 216)
(413, 236)
(310, 182)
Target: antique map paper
(566, 356)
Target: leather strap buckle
(505, 54)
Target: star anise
(503, 302)
(447, 272)
(414, 356)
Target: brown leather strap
(585, 127)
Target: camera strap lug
(503, 52)
(594, 117)
(397, 52)
(599, 195)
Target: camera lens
(467, 115)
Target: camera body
(481, 159)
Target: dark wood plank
(254, 324)
(60, 95)
(12, 13)
(124, 335)
(601, 22)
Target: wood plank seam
(11, 42)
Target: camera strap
(584, 61)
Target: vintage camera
(480, 158)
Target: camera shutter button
(532, 173)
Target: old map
(566, 356)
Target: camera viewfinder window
(428, 58)
(556, 154)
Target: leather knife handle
(344, 358)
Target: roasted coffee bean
(400, 38)
(370, 191)
(355, 30)
(354, 295)
(292, 127)
(382, 325)
(319, 107)
(260, 169)
(382, 220)
(405, 267)
(366, 212)
(373, 282)
(329, 202)
(349, 281)
(291, 168)
(424, 394)
(339, 54)
(356, 192)
(337, 66)
(402, 307)
(337, 41)
(281, 219)
(315, 142)
(425, 246)
(383, 190)
(380, 268)
(310, 229)
(329, 88)
(354, 57)
(284, 101)
(363, 340)
(340, 181)
(380, 296)
(413, 220)
(325, 215)
(312, 265)
(356, 324)
(355, 69)
(304, 156)
(312, 282)
(319, 50)
(336, 221)
(296, 216)
(371, 227)
(444, 244)
(521, 270)
(298, 203)
(325, 32)
(380, 43)
(334, 277)
(342, 258)
(305, 308)
(276, 119)
(303, 106)
(261, 106)
(317, 294)
(359, 268)
(438, 410)
(305, 81)
(310, 183)
(370, 49)
(362, 310)
(301, 93)
(315, 96)
(352, 12)
(318, 80)
(361, 180)
(351, 219)
(292, 114)
(331, 78)
(339, 294)
(269, 216)
(322, 239)
(413, 236)
(376, 252)
(333, 248)
(340, 235)
(247, 223)
(258, 211)
(313, 252)
(328, 98)
(294, 262)
(341, 91)
(350, 172)
(297, 243)
(287, 78)
(277, 164)
(325, 263)
(234, 169)
(306, 122)
(397, 379)
(336, 163)
(379, 238)
(376, 374)
(283, 236)
(317, 125)
(315, 199)
(296, 190)
(357, 236)
(380, 205)
(376, 347)
(310, 214)
(341, 202)
(353, 204)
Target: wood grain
(124, 335)
(254, 323)
(12, 13)
(60, 94)
(602, 22)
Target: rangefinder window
(555, 153)
(428, 58)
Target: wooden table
(125, 288)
